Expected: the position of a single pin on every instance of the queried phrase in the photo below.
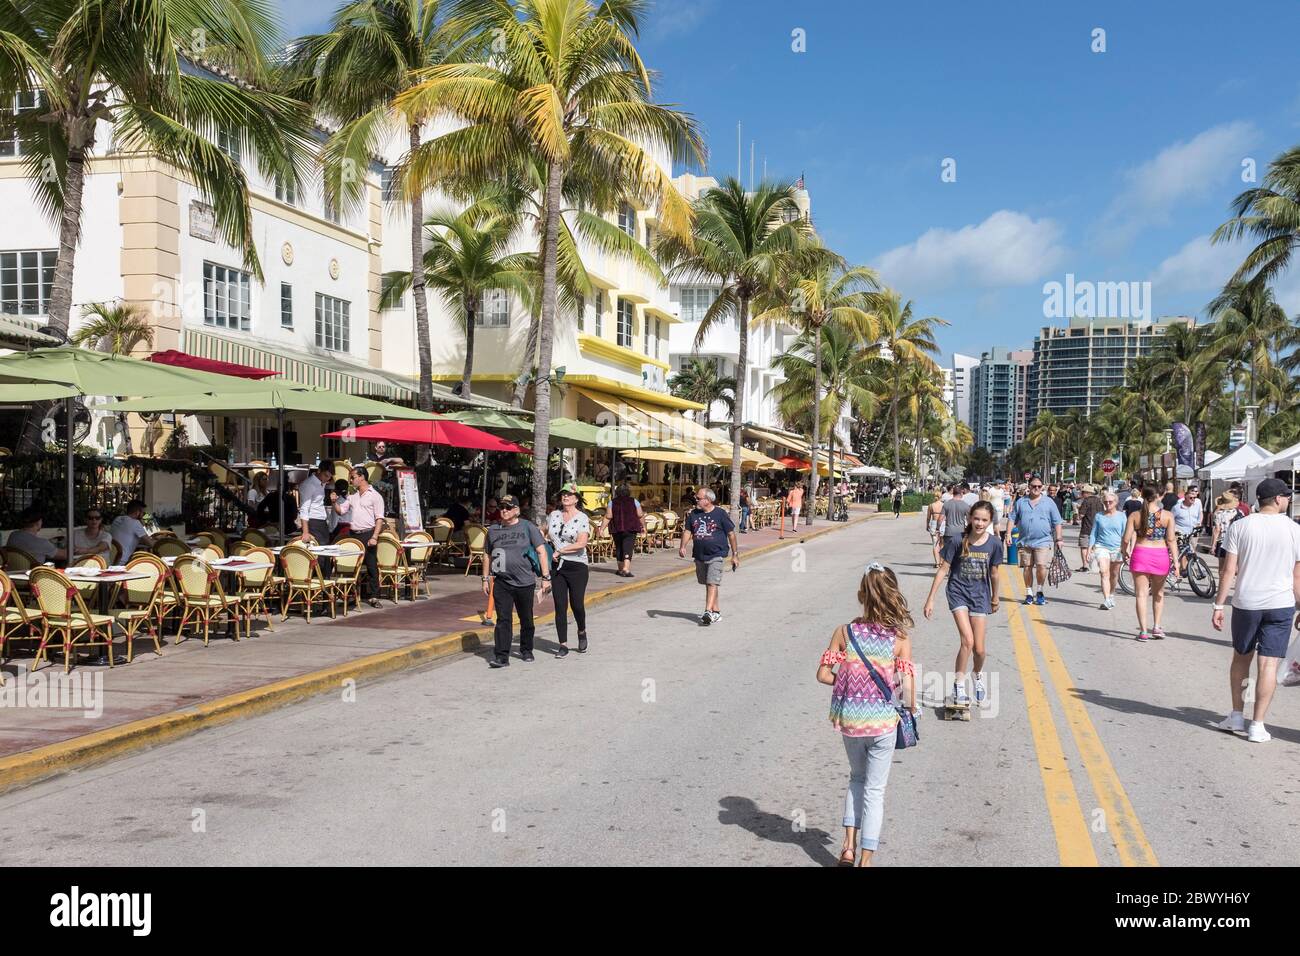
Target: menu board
(408, 500)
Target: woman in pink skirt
(1149, 542)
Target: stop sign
(1108, 466)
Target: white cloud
(1198, 267)
(671, 17)
(1006, 249)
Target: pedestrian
(933, 522)
(793, 503)
(1133, 504)
(1149, 545)
(1188, 514)
(1039, 521)
(1170, 497)
(1089, 506)
(513, 546)
(953, 516)
(710, 533)
(569, 528)
(864, 661)
(898, 501)
(744, 511)
(1225, 513)
(968, 495)
(1239, 493)
(1105, 545)
(625, 523)
(1262, 557)
(365, 511)
(970, 566)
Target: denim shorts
(1268, 632)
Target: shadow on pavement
(693, 617)
(743, 812)
(1196, 716)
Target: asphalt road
(676, 744)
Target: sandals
(847, 857)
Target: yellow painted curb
(32, 766)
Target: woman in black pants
(568, 530)
(625, 523)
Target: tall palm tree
(126, 65)
(118, 329)
(566, 85)
(821, 289)
(1250, 330)
(907, 341)
(922, 400)
(1075, 423)
(467, 255)
(1146, 383)
(700, 381)
(1190, 370)
(744, 241)
(1269, 213)
(1047, 433)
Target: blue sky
(1114, 166)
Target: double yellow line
(1071, 826)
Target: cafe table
(117, 574)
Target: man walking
(953, 517)
(512, 580)
(311, 509)
(366, 508)
(1039, 521)
(794, 503)
(1089, 507)
(1262, 556)
(710, 533)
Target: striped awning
(22, 333)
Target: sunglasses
(1035, 486)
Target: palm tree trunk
(530, 353)
(545, 337)
(418, 292)
(471, 316)
(738, 415)
(817, 415)
(894, 412)
(60, 307)
(917, 472)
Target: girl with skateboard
(873, 655)
(969, 565)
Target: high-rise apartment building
(1078, 365)
(962, 366)
(998, 391)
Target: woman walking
(970, 564)
(625, 523)
(568, 530)
(871, 653)
(1225, 512)
(1149, 545)
(1105, 545)
(933, 522)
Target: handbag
(907, 734)
(1058, 572)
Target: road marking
(1073, 842)
(1122, 823)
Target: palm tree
(1046, 434)
(922, 399)
(566, 86)
(467, 255)
(1270, 213)
(1189, 370)
(1075, 423)
(1250, 330)
(125, 66)
(907, 341)
(1145, 382)
(699, 381)
(820, 290)
(118, 329)
(744, 241)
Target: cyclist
(1188, 514)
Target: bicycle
(1197, 573)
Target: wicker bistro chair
(213, 552)
(136, 594)
(419, 558)
(255, 586)
(475, 546)
(89, 589)
(238, 548)
(393, 569)
(203, 600)
(671, 530)
(65, 613)
(16, 559)
(144, 601)
(441, 542)
(14, 615)
(171, 548)
(600, 545)
(303, 582)
(646, 539)
(347, 571)
(256, 538)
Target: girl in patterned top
(861, 711)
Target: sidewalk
(156, 698)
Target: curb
(33, 766)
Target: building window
(696, 301)
(385, 283)
(286, 305)
(332, 323)
(388, 184)
(494, 309)
(286, 191)
(228, 142)
(627, 219)
(227, 297)
(600, 313)
(26, 278)
(334, 446)
(625, 322)
(12, 144)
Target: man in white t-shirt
(1262, 555)
(128, 532)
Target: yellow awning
(675, 457)
(785, 441)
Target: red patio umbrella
(790, 461)
(439, 432)
(184, 360)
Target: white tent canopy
(870, 471)
(1288, 459)
(1233, 465)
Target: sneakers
(1257, 733)
(582, 642)
(499, 662)
(1158, 633)
(706, 619)
(1110, 603)
(715, 616)
(980, 692)
(1105, 605)
(563, 651)
(1040, 600)
(959, 694)
(1029, 599)
(1234, 723)
(1143, 636)
(527, 656)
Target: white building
(961, 385)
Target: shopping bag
(1288, 673)
(1058, 572)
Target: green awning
(23, 393)
(97, 373)
(19, 333)
(273, 396)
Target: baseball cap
(1272, 488)
(507, 501)
(568, 488)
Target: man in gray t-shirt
(513, 579)
(955, 514)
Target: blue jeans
(744, 517)
(864, 804)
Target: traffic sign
(1108, 466)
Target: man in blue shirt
(710, 534)
(1039, 521)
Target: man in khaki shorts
(1039, 521)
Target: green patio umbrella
(277, 397)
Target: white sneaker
(1257, 734)
(715, 616)
(1234, 723)
(980, 692)
(959, 694)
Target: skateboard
(953, 710)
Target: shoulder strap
(875, 676)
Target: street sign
(1108, 466)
